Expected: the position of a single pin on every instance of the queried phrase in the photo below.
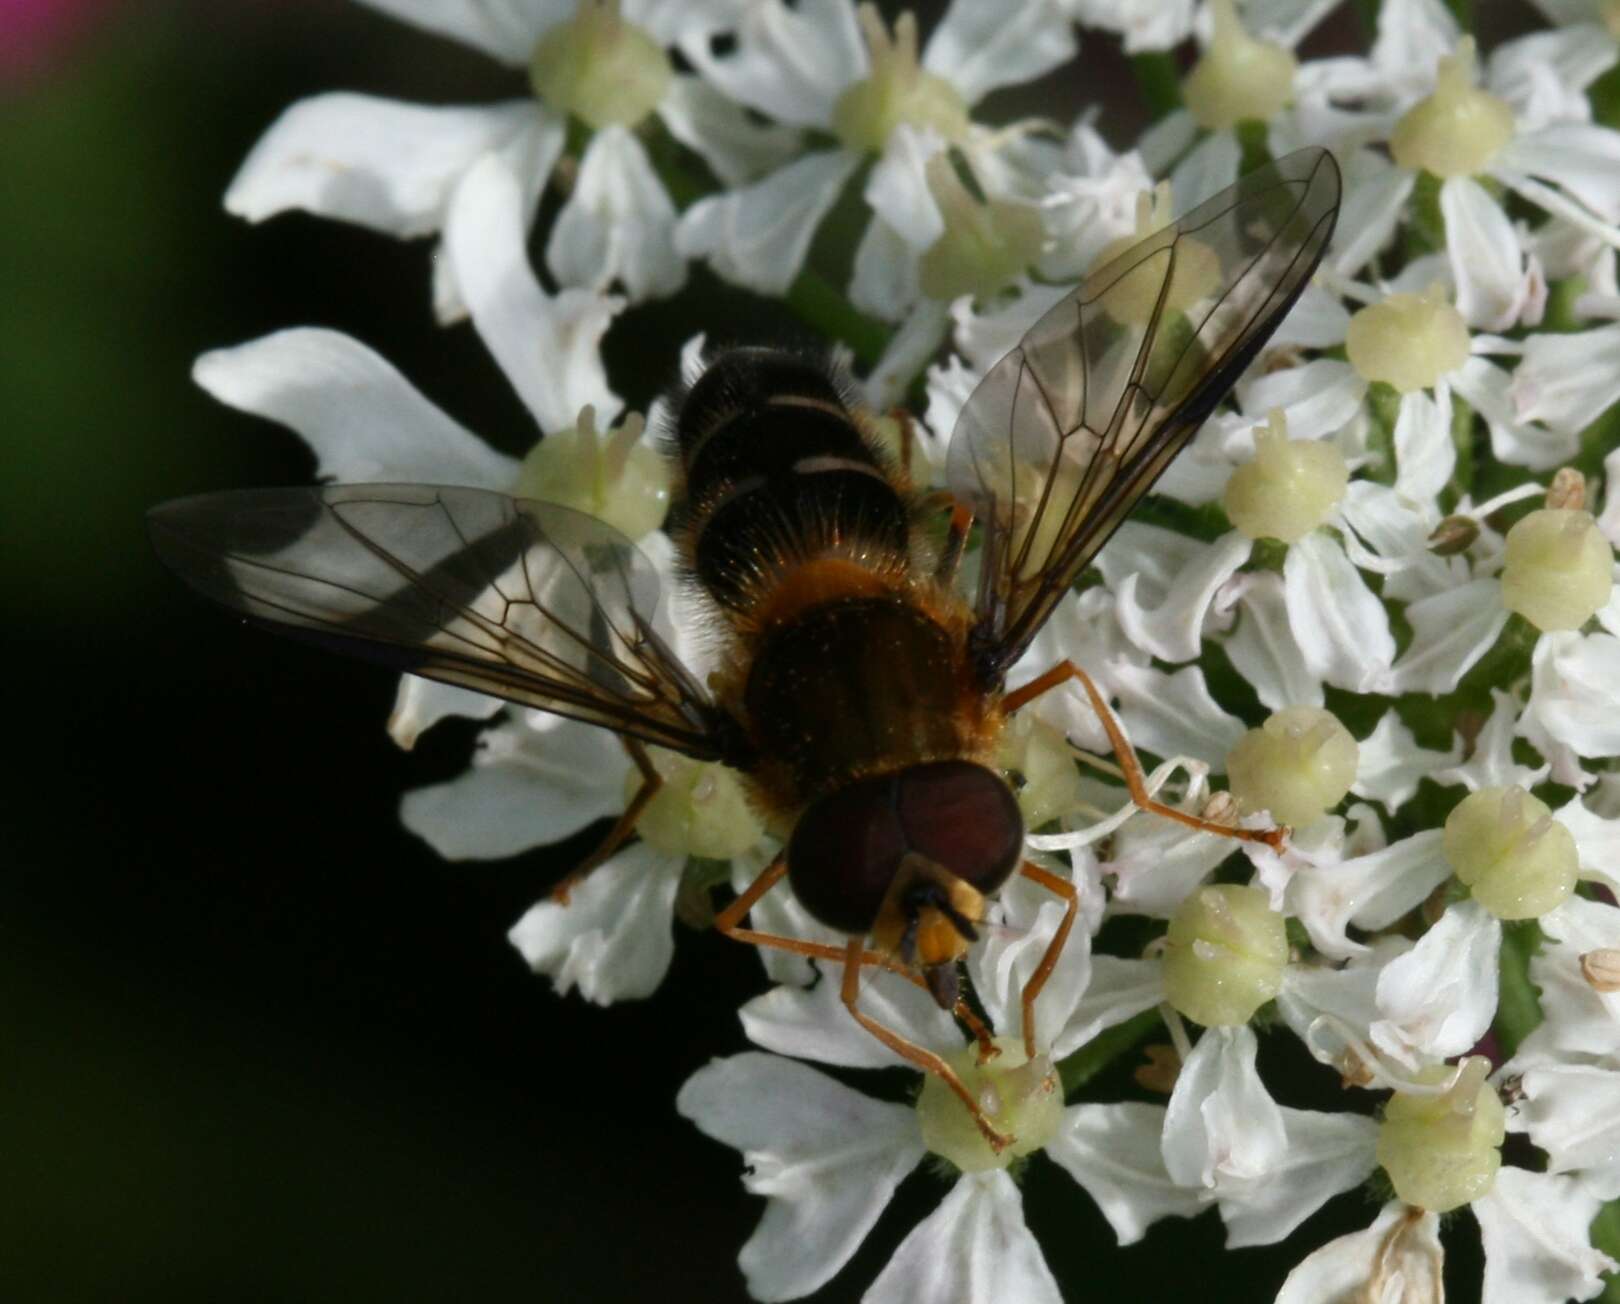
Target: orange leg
(651, 782)
(950, 556)
(1135, 781)
(1037, 980)
(727, 922)
(912, 1053)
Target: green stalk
(1158, 81)
(820, 306)
(1606, 1237)
(1518, 1008)
(1103, 1049)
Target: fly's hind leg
(1037, 980)
(624, 826)
(1135, 780)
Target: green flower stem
(1103, 1049)
(1518, 1009)
(1158, 81)
(1463, 12)
(820, 306)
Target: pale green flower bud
(1022, 1098)
(1459, 128)
(897, 90)
(1239, 78)
(614, 476)
(1408, 341)
(701, 809)
(1557, 570)
(1290, 487)
(1442, 1151)
(1505, 845)
(985, 245)
(1224, 955)
(600, 68)
(1134, 297)
(1297, 765)
(1038, 755)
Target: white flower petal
(523, 789)
(380, 163)
(1537, 1246)
(1438, 999)
(789, 64)
(1172, 629)
(1361, 1269)
(779, 911)
(813, 1023)
(1492, 765)
(759, 236)
(1222, 1129)
(1209, 168)
(1263, 647)
(1521, 443)
(883, 281)
(1345, 992)
(1174, 715)
(614, 939)
(826, 1158)
(1544, 75)
(363, 419)
(1082, 629)
(618, 224)
(1486, 262)
(1572, 1111)
(974, 1249)
(1326, 1154)
(1424, 453)
(736, 148)
(1157, 862)
(1318, 320)
(1567, 381)
(1316, 399)
(981, 45)
(1450, 632)
(1370, 891)
(504, 29)
(1156, 25)
(1113, 1151)
(1574, 695)
(1391, 764)
(897, 187)
(1341, 625)
(1597, 839)
(1579, 158)
(548, 347)
(1119, 990)
(908, 351)
(1577, 1019)
(1609, 521)
(419, 704)
(1375, 195)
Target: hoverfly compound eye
(847, 848)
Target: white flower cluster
(1377, 594)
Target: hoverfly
(863, 688)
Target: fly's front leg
(1135, 780)
(623, 827)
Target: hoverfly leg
(956, 534)
(728, 920)
(1037, 980)
(926, 1060)
(624, 826)
(1135, 780)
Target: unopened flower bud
(1224, 954)
(1290, 488)
(600, 68)
(699, 810)
(1454, 534)
(1557, 569)
(1601, 969)
(1408, 341)
(1459, 128)
(1297, 765)
(1567, 490)
(613, 475)
(1505, 845)
(986, 243)
(1442, 1151)
(1239, 78)
(897, 90)
(1022, 1098)
(1133, 298)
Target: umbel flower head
(1373, 601)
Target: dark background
(259, 1043)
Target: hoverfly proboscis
(862, 693)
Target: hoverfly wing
(1070, 429)
(527, 601)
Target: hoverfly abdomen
(778, 473)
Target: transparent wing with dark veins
(1071, 428)
(531, 602)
